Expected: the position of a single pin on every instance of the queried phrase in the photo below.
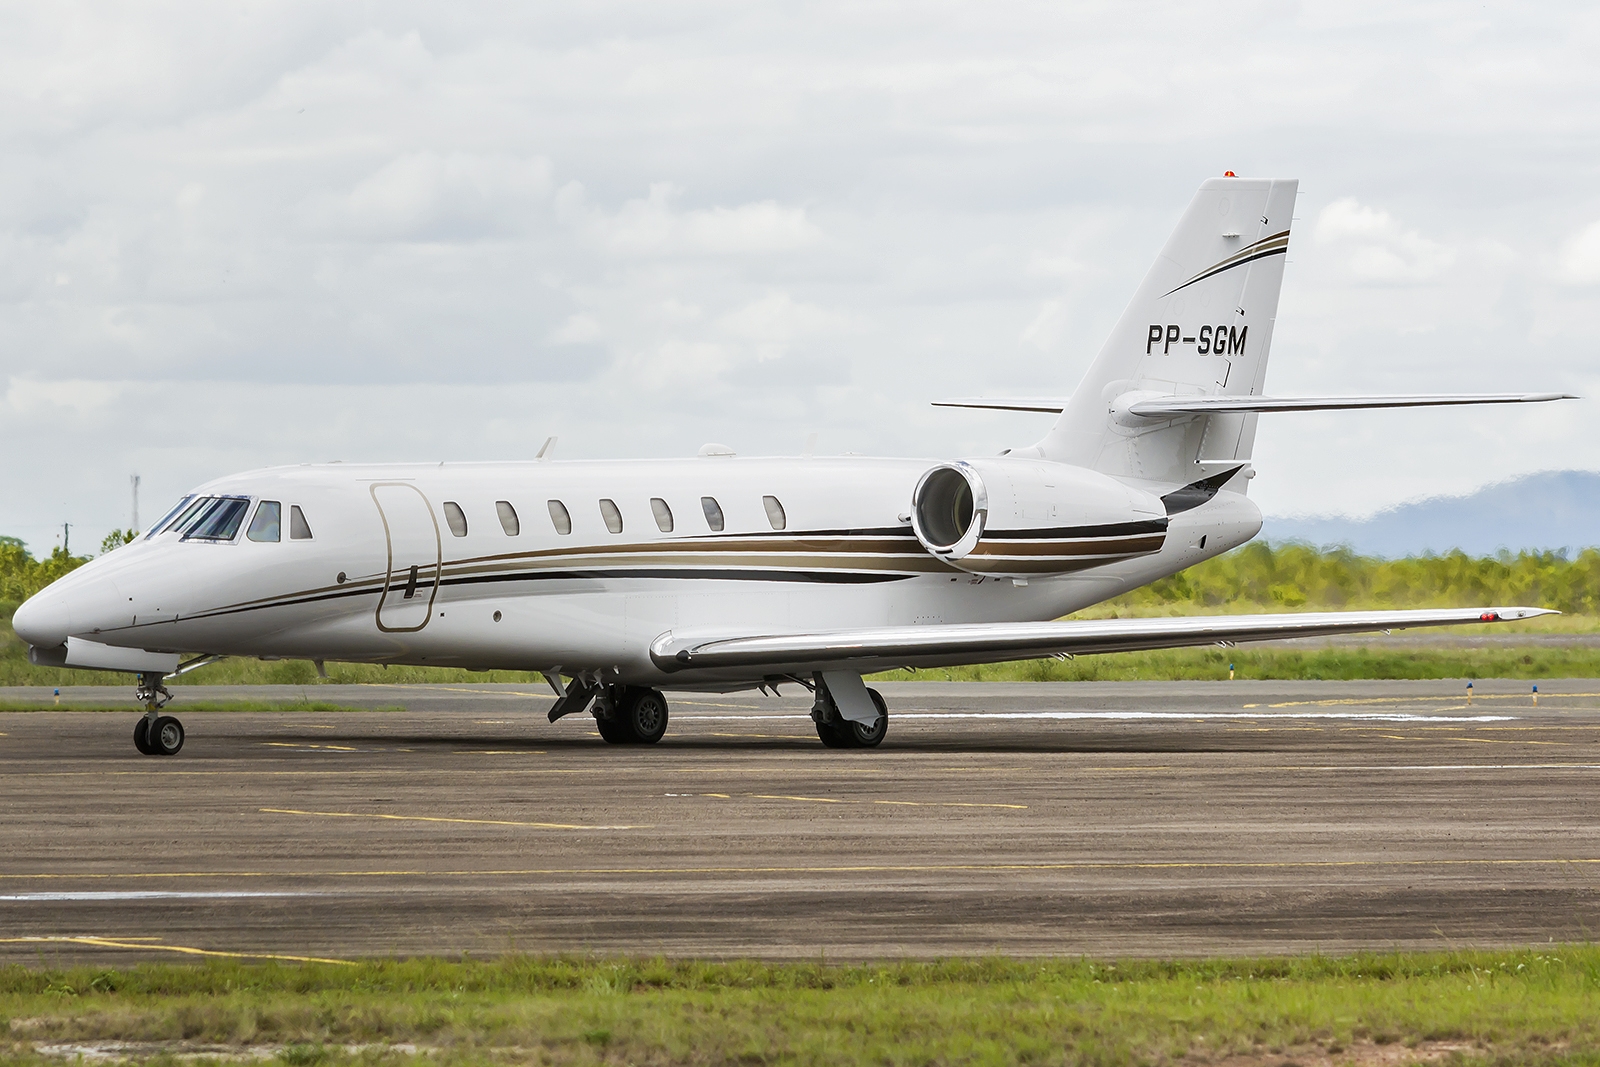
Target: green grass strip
(1532, 1006)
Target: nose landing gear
(156, 734)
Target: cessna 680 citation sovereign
(620, 579)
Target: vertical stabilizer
(1200, 325)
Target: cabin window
(775, 513)
(268, 523)
(713, 511)
(166, 520)
(216, 518)
(299, 529)
(613, 517)
(455, 518)
(508, 517)
(559, 517)
(662, 513)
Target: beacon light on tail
(718, 573)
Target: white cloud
(1579, 262)
(723, 222)
(1376, 249)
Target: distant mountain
(1549, 510)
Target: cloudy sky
(242, 234)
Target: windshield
(166, 520)
(213, 518)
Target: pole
(134, 479)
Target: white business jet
(620, 579)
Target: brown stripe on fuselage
(1120, 546)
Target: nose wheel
(156, 734)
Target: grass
(1539, 1006)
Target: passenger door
(412, 532)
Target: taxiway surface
(1102, 818)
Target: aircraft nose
(44, 620)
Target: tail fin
(1200, 325)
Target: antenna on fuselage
(547, 448)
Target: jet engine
(1019, 518)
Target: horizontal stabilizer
(954, 644)
(1168, 406)
(1054, 404)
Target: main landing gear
(836, 731)
(156, 734)
(630, 715)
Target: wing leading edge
(952, 645)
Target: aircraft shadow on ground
(690, 743)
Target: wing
(952, 645)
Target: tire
(166, 736)
(871, 736)
(644, 712)
(832, 736)
(141, 737)
(614, 731)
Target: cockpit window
(268, 522)
(214, 518)
(166, 520)
(299, 529)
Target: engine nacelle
(1021, 518)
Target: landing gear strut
(156, 734)
(631, 715)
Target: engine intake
(948, 510)
(1021, 518)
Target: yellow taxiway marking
(146, 942)
(312, 726)
(436, 818)
(862, 868)
(305, 744)
(897, 803)
(1474, 740)
(492, 722)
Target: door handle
(411, 584)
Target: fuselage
(579, 566)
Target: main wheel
(614, 731)
(644, 711)
(166, 736)
(141, 737)
(870, 736)
(832, 735)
